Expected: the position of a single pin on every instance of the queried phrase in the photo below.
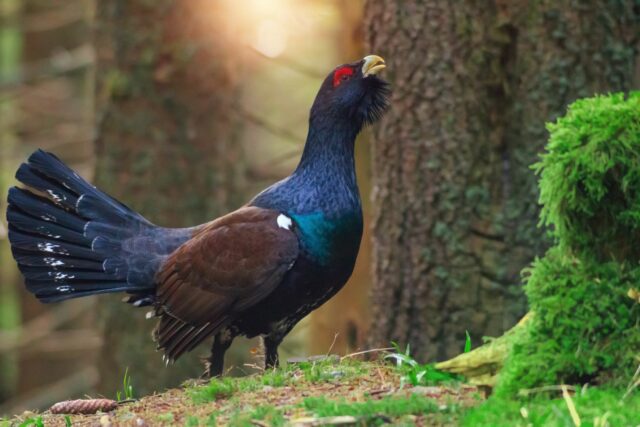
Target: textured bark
(456, 203)
(166, 146)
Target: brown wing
(229, 265)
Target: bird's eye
(342, 75)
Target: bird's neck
(329, 153)
(324, 181)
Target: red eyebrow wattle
(344, 71)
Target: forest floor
(344, 391)
(332, 391)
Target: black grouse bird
(255, 271)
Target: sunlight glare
(271, 38)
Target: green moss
(585, 328)
(590, 179)
(595, 407)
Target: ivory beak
(372, 65)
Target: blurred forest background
(185, 109)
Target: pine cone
(84, 406)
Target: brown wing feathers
(228, 266)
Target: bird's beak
(372, 65)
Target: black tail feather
(68, 239)
(28, 175)
(67, 274)
(28, 224)
(96, 204)
(44, 210)
(38, 260)
(50, 246)
(46, 293)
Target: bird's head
(353, 93)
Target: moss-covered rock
(585, 329)
(590, 177)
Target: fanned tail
(70, 239)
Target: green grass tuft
(267, 414)
(467, 342)
(218, 388)
(595, 407)
(167, 417)
(416, 374)
(326, 370)
(212, 420)
(32, 422)
(275, 378)
(127, 387)
(388, 406)
(329, 369)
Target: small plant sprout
(416, 374)
(32, 422)
(400, 357)
(127, 388)
(467, 342)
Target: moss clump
(585, 329)
(590, 177)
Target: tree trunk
(166, 145)
(456, 203)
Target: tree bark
(166, 145)
(455, 201)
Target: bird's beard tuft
(377, 100)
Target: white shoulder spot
(284, 221)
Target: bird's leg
(271, 343)
(215, 363)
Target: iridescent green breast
(327, 240)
